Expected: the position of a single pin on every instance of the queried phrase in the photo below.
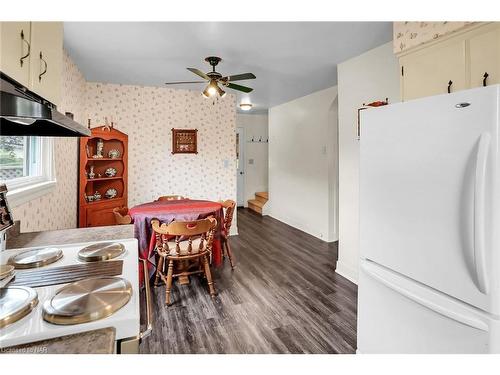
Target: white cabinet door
(399, 316)
(428, 192)
(46, 61)
(485, 58)
(428, 72)
(15, 50)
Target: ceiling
(290, 59)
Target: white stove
(126, 320)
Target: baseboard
(266, 209)
(348, 272)
(234, 230)
(297, 225)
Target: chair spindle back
(182, 231)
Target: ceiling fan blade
(239, 77)
(183, 82)
(199, 72)
(239, 87)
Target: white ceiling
(290, 59)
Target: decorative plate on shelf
(111, 193)
(114, 154)
(110, 172)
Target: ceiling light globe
(246, 106)
(211, 91)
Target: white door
(240, 164)
(427, 177)
(397, 315)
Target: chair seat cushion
(195, 246)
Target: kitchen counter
(67, 236)
(100, 341)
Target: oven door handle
(149, 315)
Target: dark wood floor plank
(283, 297)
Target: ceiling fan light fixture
(221, 92)
(206, 92)
(211, 89)
(246, 106)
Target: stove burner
(6, 270)
(87, 300)
(101, 251)
(15, 303)
(36, 257)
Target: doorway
(240, 167)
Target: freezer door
(428, 174)
(397, 315)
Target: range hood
(25, 113)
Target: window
(26, 167)
(19, 157)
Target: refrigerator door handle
(461, 317)
(479, 212)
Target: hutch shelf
(95, 207)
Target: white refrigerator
(429, 279)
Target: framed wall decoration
(184, 141)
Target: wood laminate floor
(283, 297)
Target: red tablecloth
(166, 212)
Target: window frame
(24, 189)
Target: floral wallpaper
(57, 210)
(147, 115)
(411, 34)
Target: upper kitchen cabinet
(433, 71)
(485, 58)
(32, 54)
(15, 50)
(456, 62)
(47, 59)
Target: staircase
(260, 200)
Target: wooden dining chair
(121, 215)
(183, 241)
(229, 207)
(171, 198)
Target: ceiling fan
(215, 78)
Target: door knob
(242, 172)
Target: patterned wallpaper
(147, 115)
(411, 34)
(57, 210)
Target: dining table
(167, 211)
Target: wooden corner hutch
(91, 212)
